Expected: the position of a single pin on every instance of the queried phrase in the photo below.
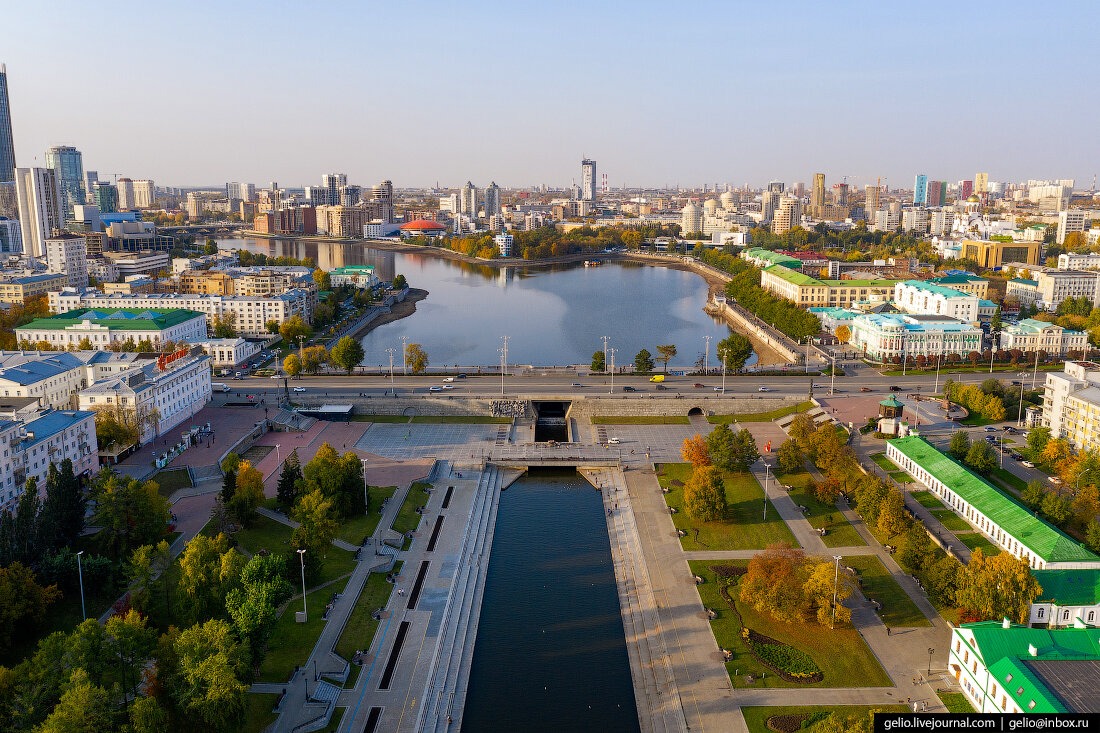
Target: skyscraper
(69, 165)
(776, 187)
(965, 189)
(981, 183)
(90, 179)
(788, 215)
(125, 190)
(817, 195)
(871, 201)
(492, 200)
(840, 194)
(7, 148)
(920, 190)
(105, 196)
(588, 180)
(39, 193)
(383, 194)
(467, 200)
(937, 193)
(333, 182)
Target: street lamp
(392, 388)
(723, 372)
(366, 486)
(503, 363)
(706, 356)
(836, 579)
(931, 651)
(611, 353)
(80, 575)
(605, 340)
(992, 355)
(302, 560)
(767, 474)
(404, 356)
(278, 455)
(1080, 476)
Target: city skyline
(659, 96)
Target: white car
(276, 376)
(762, 389)
(448, 386)
(448, 379)
(435, 388)
(299, 389)
(613, 441)
(1054, 480)
(1027, 464)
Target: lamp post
(302, 560)
(404, 356)
(706, 355)
(278, 455)
(605, 340)
(836, 580)
(611, 353)
(992, 356)
(80, 575)
(832, 381)
(366, 486)
(1020, 411)
(723, 373)
(767, 474)
(1035, 374)
(939, 356)
(392, 388)
(503, 363)
(931, 651)
(1080, 476)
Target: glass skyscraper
(69, 164)
(7, 149)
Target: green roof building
(103, 327)
(1008, 524)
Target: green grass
(360, 628)
(841, 653)
(380, 418)
(744, 529)
(640, 420)
(956, 702)
(884, 463)
(976, 540)
(334, 722)
(1009, 479)
(268, 534)
(950, 520)
(172, 480)
(927, 499)
(975, 420)
(898, 609)
(357, 529)
(258, 712)
(761, 416)
(900, 477)
(291, 642)
(756, 718)
(838, 531)
(407, 519)
(467, 419)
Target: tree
(323, 280)
(1092, 536)
(229, 486)
(996, 325)
(205, 679)
(734, 350)
(790, 457)
(1037, 439)
(802, 427)
(147, 563)
(981, 457)
(147, 716)
(132, 513)
(22, 601)
(915, 550)
(272, 326)
(62, 516)
(416, 358)
(843, 333)
(705, 494)
(294, 328)
(1086, 505)
(209, 569)
(253, 606)
(643, 361)
(292, 365)
(400, 283)
(287, 491)
(1056, 449)
(1056, 508)
(667, 353)
(83, 708)
(819, 588)
(348, 353)
(223, 325)
(959, 446)
(598, 362)
(313, 357)
(338, 477)
(317, 524)
(892, 519)
(249, 494)
(827, 491)
(132, 643)
(1033, 494)
(721, 446)
(694, 451)
(1000, 586)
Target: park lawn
(1011, 480)
(761, 416)
(843, 656)
(334, 722)
(838, 530)
(975, 420)
(360, 628)
(291, 642)
(927, 499)
(976, 540)
(744, 529)
(756, 717)
(264, 534)
(900, 477)
(380, 418)
(640, 420)
(357, 529)
(898, 609)
(258, 712)
(950, 520)
(407, 519)
(955, 702)
(467, 419)
(171, 480)
(884, 463)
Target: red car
(697, 385)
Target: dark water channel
(550, 652)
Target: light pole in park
(503, 362)
(611, 355)
(278, 455)
(836, 578)
(80, 575)
(931, 651)
(992, 355)
(392, 388)
(404, 356)
(723, 373)
(366, 487)
(767, 474)
(832, 381)
(302, 560)
(605, 340)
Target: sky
(659, 93)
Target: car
(448, 379)
(299, 389)
(629, 389)
(613, 441)
(577, 384)
(448, 386)
(435, 388)
(460, 376)
(661, 388)
(657, 378)
(762, 389)
(1054, 480)
(990, 439)
(697, 385)
(1017, 457)
(1011, 430)
(719, 389)
(1016, 383)
(818, 386)
(1027, 464)
(276, 376)
(990, 429)
(864, 389)
(895, 388)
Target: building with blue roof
(31, 445)
(884, 336)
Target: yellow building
(809, 292)
(204, 282)
(16, 290)
(970, 284)
(990, 254)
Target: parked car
(990, 429)
(629, 389)
(1017, 457)
(613, 441)
(864, 389)
(819, 386)
(1054, 480)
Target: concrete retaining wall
(782, 346)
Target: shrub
(788, 659)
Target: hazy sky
(658, 93)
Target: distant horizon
(659, 95)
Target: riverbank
(399, 310)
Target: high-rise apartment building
(769, 200)
(240, 191)
(333, 182)
(382, 193)
(937, 193)
(871, 200)
(920, 190)
(1072, 220)
(7, 148)
(981, 183)
(840, 194)
(966, 188)
(817, 195)
(39, 194)
(350, 195)
(788, 215)
(125, 189)
(588, 180)
(68, 254)
(777, 187)
(145, 194)
(467, 200)
(67, 162)
(90, 179)
(105, 196)
(492, 200)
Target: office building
(52, 378)
(1047, 287)
(936, 193)
(915, 296)
(920, 190)
(332, 183)
(1006, 523)
(588, 180)
(382, 195)
(229, 352)
(68, 254)
(817, 195)
(16, 290)
(1030, 335)
(492, 200)
(11, 238)
(972, 284)
(504, 244)
(194, 205)
(68, 163)
(105, 196)
(981, 183)
(107, 326)
(91, 178)
(788, 216)
(871, 202)
(125, 189)
(1078, 261)
(809, 292)
(1072, 220)
(883, 337)
(7, 147)
(467, 200)
(32, 443)
(39, 193)
(990, 254)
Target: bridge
(206, 229)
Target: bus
(219, 387)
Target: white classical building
(883, 336)
(54, 377)
(915, 296)
(229, 352)
(105, 327)
(29, 447)
(1032, 335)
(164, 393)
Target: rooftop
(51, 423)
(1030, 325)
(116, 319)
(931, 287)
(1069, 587)
(1041, 538)
(1025, 282)
(957, 280)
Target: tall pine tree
(229, 486)
(287, 492)
(62, 518)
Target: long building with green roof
(1008, 524)
(103, 327)
(810, 292)
(1007, 668)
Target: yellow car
(658, 378)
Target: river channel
(553, 315)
